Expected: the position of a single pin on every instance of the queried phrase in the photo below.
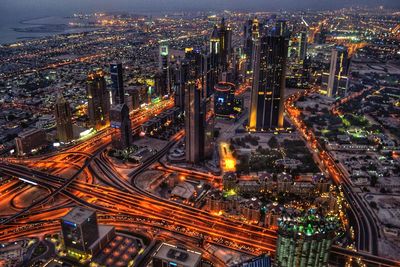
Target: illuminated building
(165, 83)
(305, 240)
(193, 123)
(213, 60)
(98, 100)
(224, 100)
(168, 255)
(259, 261)
(336, 81)
(320, 37)
(251, 34)
(121, 137)
(118, 94)
(302, 43)
(199, 111)
(63, 120)
(225, 45)
(179, 72)
(268, 89)
(82, 236)
(29, 141)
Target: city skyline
(201, 139)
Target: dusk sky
(11, 9)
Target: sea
(27, 29)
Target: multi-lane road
(121, 202)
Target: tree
(273, 142)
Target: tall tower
(164, 69)
(213, 60)
(338, 71)
(268, 89)
(251, 34)
(98, 100)
(63, 119)
(302, 45)
(225, 40)
(305, 240)
(121, 138)
(193, 122)
(199, 111)
(118, 94)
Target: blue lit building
(259, 261)
(116, 73)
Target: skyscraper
(225, 41)
(302, 50)
(121, 137)
(305, 240)
(118, 93)
(193, 122)
(98, 100)
(336, 81)
(164, 69)
(212, 61)
(63, 119)
(251, 34)
(268, 89)
(199, 111)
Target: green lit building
(305, 241)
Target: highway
(366, 227)
(120, 202)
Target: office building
(305, 240)
(63, 120)
(212, 61)
(165, 83)
(121, 137)
(168, 255)
(193, 122)
(117, 87)
(98, 100)
(268, 88)
(225, 101)
(225, 45)
(30, 141)
(335, 83)
(82, 236)
(259, 261)
(251, 34)
(302, 45)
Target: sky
(23, 9)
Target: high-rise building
(268, 89)
(117, 92)
(336, 81)
(193, 122)
(168, 255)
(63, 119)
(225, 102)
(121, 137)
(212, 61)
(98, 100)
(82, 236)
(165, 82)
(29, 141)
(79, 229)
(199, 111)
(251, 34)
(302, 49)
(259, 261)
(305, 240)
(225, 44)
